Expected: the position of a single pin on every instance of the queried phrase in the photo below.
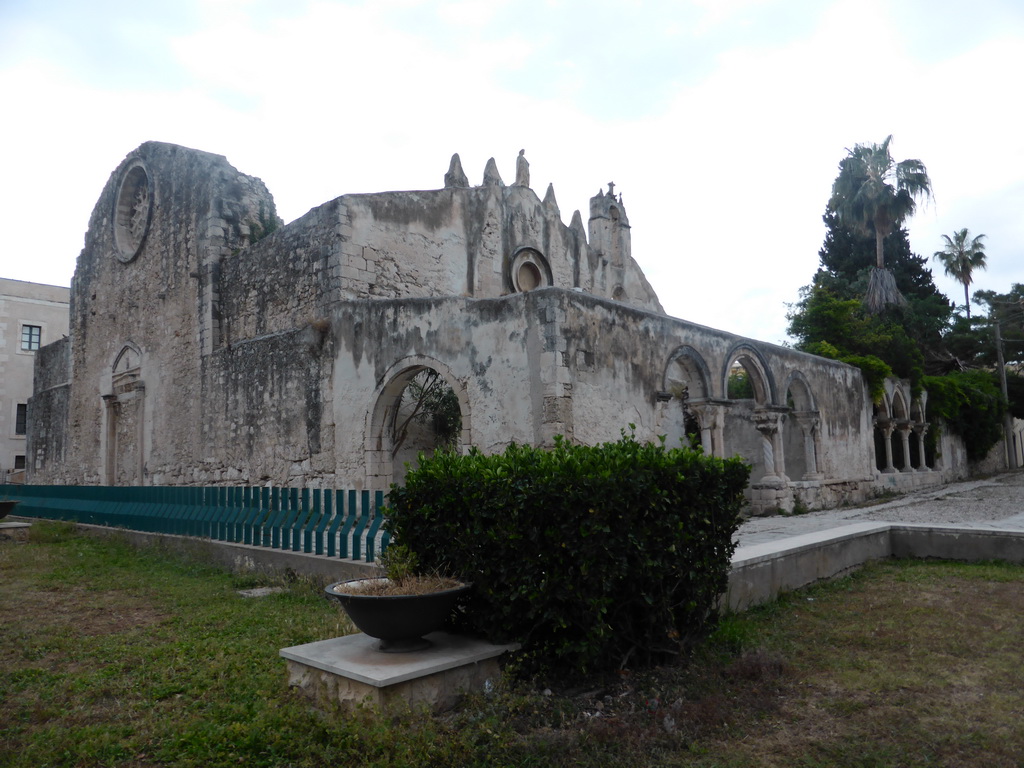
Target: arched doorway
(124, 414)
(421, 407)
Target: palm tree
(874, 195)
(961, 255)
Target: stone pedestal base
(14, 531)
(352, 672)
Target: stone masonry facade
(210, 343)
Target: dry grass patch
(111, 656)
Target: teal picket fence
(345, 524)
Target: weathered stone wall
(263, 417)
(144, 296)
(487, 350)
(532, 366)
(48, 407)
(206, 351)
(53, 367)
(284, 281)
(618, 359)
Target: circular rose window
(529, 270)
(131, 213)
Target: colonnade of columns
(769, 424)
(903, 427)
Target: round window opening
(131, 213)
(529, 277)
(529, 271)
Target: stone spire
(549, 198)
(491, 176)
(577, 225)
(455, 177)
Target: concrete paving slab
(356, 656)
(351, 672)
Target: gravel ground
(996, 502)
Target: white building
(31, 315)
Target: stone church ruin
(210, 344)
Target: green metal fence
(333, 523)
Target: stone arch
(757, 369)
(753, 420)
(898, 406)
(528, 270)
(124, 416)
(899, 433)
(686, 414)
(384, 464)
(901, 423)
(801, 430)
(686, 369)
(799, 395)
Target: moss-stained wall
(205, 350)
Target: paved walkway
(996, 502)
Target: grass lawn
(112, 656)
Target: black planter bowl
(398, 621)
(6, 507)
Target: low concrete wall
(240, 558)
(761, 572)
(957, 543)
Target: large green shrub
(971, 405)
(592, 557)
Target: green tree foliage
(919, 336)
(740, 386)
(872, 196)
(847, 257)
(1008, 310)
(971, 404)
(591, 557)
(830, 318)
(971, 342)
(845, 265)
(961, 255)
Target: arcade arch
(801, 430)
(753, 421)
(421, 406)
(687, 412)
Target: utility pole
(1011, 454)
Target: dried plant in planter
(400, 607)
(399, 564)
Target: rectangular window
(31, 335)
(19, 462)
(20, 419)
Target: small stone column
(887, 427)
(711, 417)
(904, 428)
(809, 423)
(768, 424)
(920, 429)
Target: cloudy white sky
(721, 122)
